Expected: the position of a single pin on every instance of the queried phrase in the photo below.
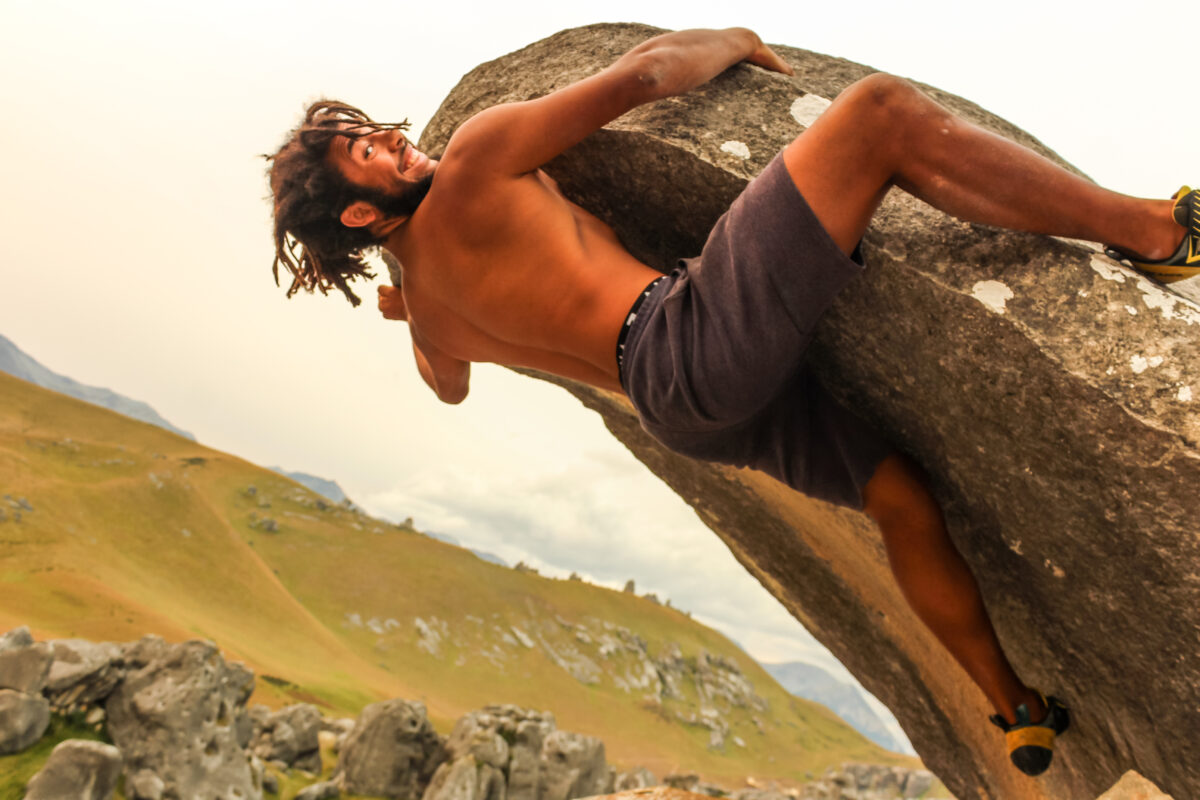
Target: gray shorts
(714, 359)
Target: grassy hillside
(135, 530)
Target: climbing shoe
(1030, 744)
(1186, 261)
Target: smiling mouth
(410, 156)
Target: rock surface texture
(77, 770)
(173, 719)
(1048, 391)
(393, 751)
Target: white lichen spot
(1083, 293)
(992, 294)
(1016, 547)
(738, 149)
(1055, 570)
(1185, 394)
(1132, 311)
(1110, 370)
(806, 109)
(1108, 269)
(1171, 305)
(1140, 364)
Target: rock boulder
(173, 718)
(1048, 391)
(77, 770)
(23, 720)
(393, 751)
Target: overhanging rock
(1047, 390)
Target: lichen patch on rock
(992, 294)
(735, 148)
(806, 109)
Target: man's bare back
(507, 270)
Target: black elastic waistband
(630, 317)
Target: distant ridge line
(19, 364)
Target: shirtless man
(499, 267)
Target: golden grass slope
(135, 530)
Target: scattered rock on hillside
(289, 735)
(77, 770)
(24, 664)
(83, 673)
(393, 751)
(540, 761)
(573, 765)
(466, 778)
(23, 720)
(174, 715)
(636, 778)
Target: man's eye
(367, 151)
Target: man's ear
(360, 214)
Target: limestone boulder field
(1051, 394)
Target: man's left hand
(391, 303)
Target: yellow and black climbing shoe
(1031, 744)
(1186, 261)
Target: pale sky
(136, 246)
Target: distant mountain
(326, 488)
(813, 683)
(19, 364)
(485, 555)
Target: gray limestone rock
(144, 785)
(23, 720)
(1064, 445)
(393, 751)
(916, 783)
(289, 735)
(16, 638)
(636, 778)
(77, 770)
(173, 716)
(24, 669)
(477, 735)
(466, 778)
(83, 673)
(572, 765)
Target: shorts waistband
(629, 319)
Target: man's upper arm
(449, 377)
(516, 138)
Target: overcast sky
(135, 246)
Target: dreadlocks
(311, 193)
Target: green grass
(138, 531)
(16, 770)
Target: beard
(405, 202)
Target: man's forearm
(683, 60)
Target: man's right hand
(391, 303)
(767, 58)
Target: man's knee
(897, 495)
(884, 96)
